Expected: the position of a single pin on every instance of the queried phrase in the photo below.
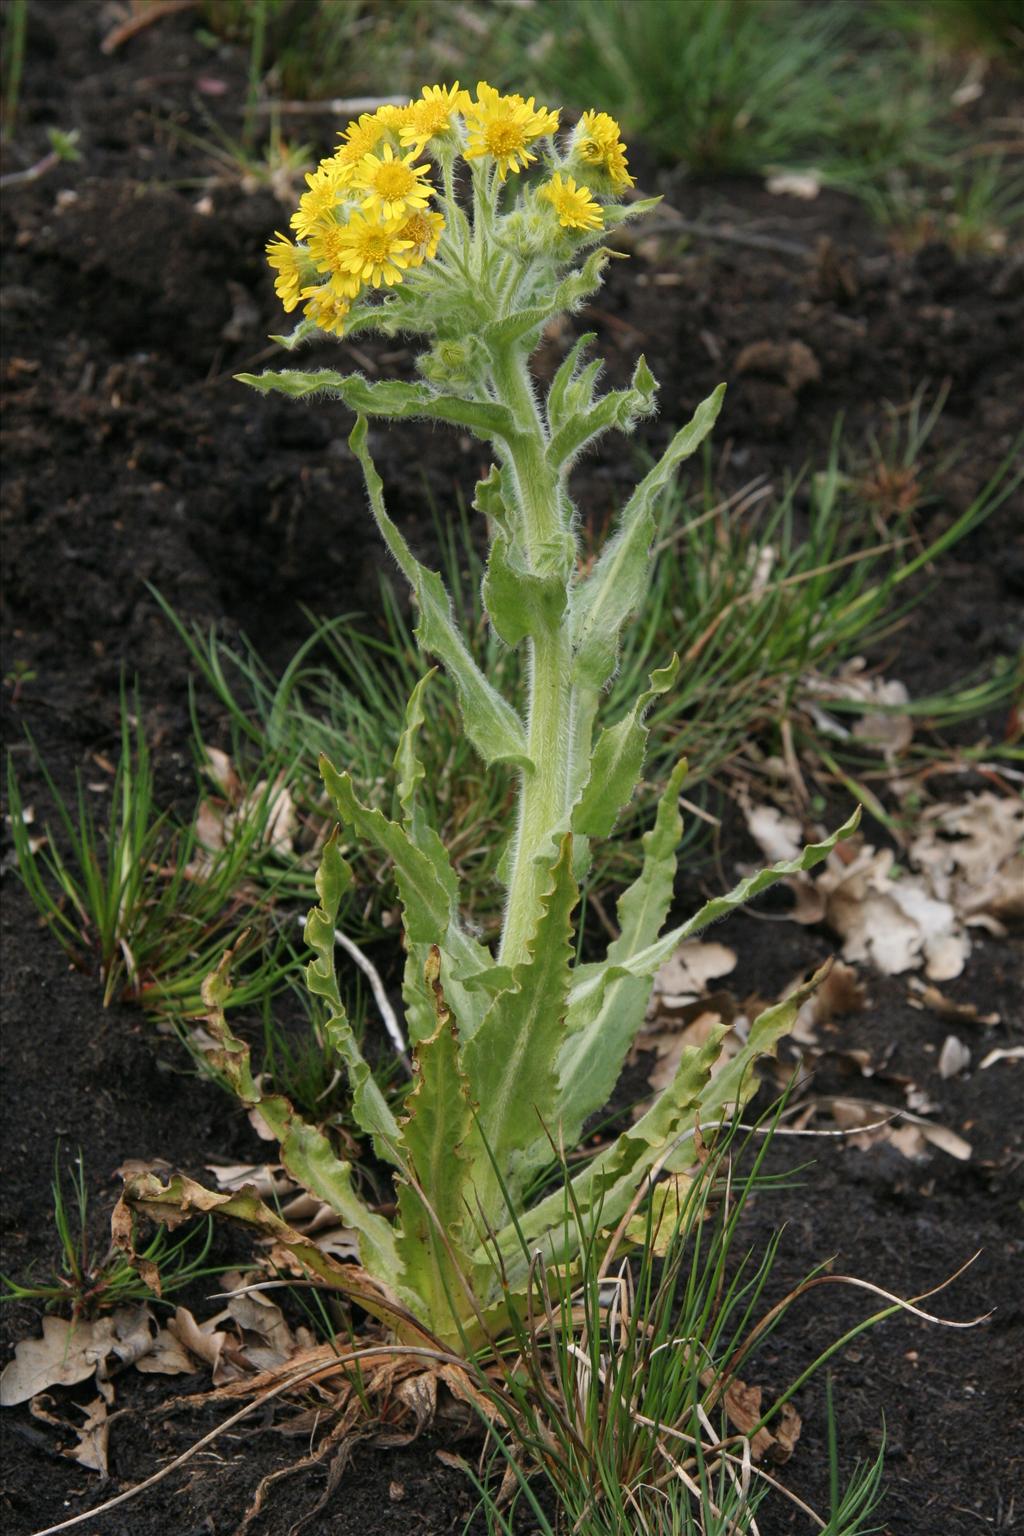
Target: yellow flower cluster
(365, 218)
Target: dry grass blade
(288, 1381)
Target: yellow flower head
(327, 306)
(431, 116)
(503, 127)
(319, 203)
(358, 140)
(394, 186)
(575, 207)
(328, 251)
(290, 265)
(598, 143)
(423, 231)
(370, 251)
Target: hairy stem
(544, 790)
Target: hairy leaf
(369, 1106)
(618, 761)
(439, 1135)
(426, 902)
(619, 408)
(429, 894)
(510, 1061)
(619, 581)
(558, 406)
(646, 961)
(491, 723)
(305, 1151)
(660, 1141)
(392, 398)
(520, 602)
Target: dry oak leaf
(66, 1354)
(93, 1438)
(894, 924)
(686, 973)
(840, 993)
(973, 853)
(71, 1352)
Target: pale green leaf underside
(491, 723)
(618, 583)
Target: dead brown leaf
(207, 1343)
(686, 973)
(66, 1354)
(93, 1438)
(70, 1352)
(839, 994)
(911, 1134)
(973, 853)
(743, 1406)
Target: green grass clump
(141, 900)
(84, 1283)
(612, 1409)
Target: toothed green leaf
(491, 723)
(369, 1106)
(558, 405)
(619, 408)
(306, 1152)
(617, 585)
(662, 1137)
(440, 1138)
(618, 762)
(425, 902)
(392, 398)
(510, 1062)
(646, 961)
(520, 602)
(429, 894)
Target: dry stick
(740, 501)
(141, 20)
(740, 1480)
(22, 178)
(669, 222)
(340, 106)
(293, 1381)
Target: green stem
(544, 789)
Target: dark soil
(130, 297)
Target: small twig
(668, 221)
(740, 501)
(34, 172)
(387, 1013)
(142, 19)
(338, 106)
